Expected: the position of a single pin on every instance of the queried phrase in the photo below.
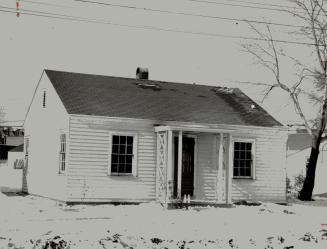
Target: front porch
(194, 165)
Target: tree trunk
(309, 182)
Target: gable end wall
(43, 127)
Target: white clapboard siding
(43, 127)
(88, 178)
(270, 168)
(206, 167)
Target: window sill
(126, 176)
(243, 178)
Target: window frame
(253, 154)
(61, 171)
(134, 152)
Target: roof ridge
(140, 80)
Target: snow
(35, 222)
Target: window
(62, 153)
(122, 155)
(243, 159)
(44, 99)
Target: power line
(257, 3)
(52, 15)
(237, 5)
(74, 18)
(48, 4)
(186, 13)
(283, 9)
(4, 121)
(144, 27)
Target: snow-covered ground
(34, 222)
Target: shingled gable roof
(100, 95)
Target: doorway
(187, 186)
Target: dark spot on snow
(281, 239)
(288, 212)
(10, 244)
(288, 247)
(309, 237)
(231, 243)
(156, 240)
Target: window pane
(236, 154)
(248, 172)
(115, 139)
(236, 172)
(248, 164)
(242, 172)
(114, 167)
(115, 149)
(128, 168)
(236, 146)
(242, 146)
(248, 146)
(121, 168)
(242, 163)
(248, 155)
(114, 158)
(122, 149)
(130, 140)
(122, 159)
(129, 159)
(122, 140)
(129, 149)
(242, 155)
(237, 163)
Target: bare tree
(313, 15)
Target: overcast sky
(195, 50)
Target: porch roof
(190, 129)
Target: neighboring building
(9, 139)
(93, 138)
(11, 174)
(16, 157)
(298, 152)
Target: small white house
(94, 138)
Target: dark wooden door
(187, 166)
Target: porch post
(229, 170)
(179, 167)
(161, 166)
(169, 183)
(220, 168)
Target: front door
(187, 166)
